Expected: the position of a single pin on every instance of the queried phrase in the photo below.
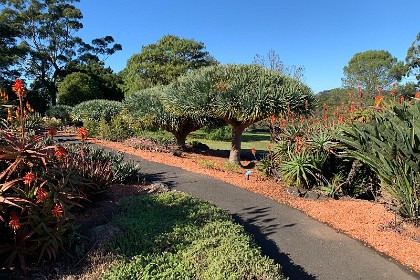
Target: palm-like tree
(147, 105)
(240, 95)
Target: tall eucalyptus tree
(48, 30)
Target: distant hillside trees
(372, 68)
(413, 59)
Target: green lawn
(176, 236)
(257, 140)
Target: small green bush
(95, 110)
(160, 137)
(61, 112)
(118, 129)
(175, 236)
(219, 134)
(208, 164)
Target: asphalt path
(304, 247)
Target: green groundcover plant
(175, 236)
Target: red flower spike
(41, 195)
(82, 133)
(52, 131)
(29, 178)
(301, 119)
(402, 99)
(417, 95)
(268, 147)
(14, 221)
(253, 151)
(19, 88)
(60, 153)
(378, 100)
(57, 211)
(273, 119)
(9, 115)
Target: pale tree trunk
(235, 150)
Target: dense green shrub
(61, 112)
(219, 134)
(303, 151)
(118, 129)
(95, 110)
(390, 146)
(176, 236)
(76, 88)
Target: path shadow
(249, 218)
(153, 177)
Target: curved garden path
(304, 247)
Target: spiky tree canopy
(146, 105)
(238, 94)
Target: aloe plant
(390, 146)
(299, 170)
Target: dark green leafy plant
(390, 146)
(61, 112)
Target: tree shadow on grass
(257, 215)
(255, 137)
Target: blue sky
(321, 35)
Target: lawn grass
(249, 139)
(175, 236)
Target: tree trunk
(351, 175)
(180, 140)
(235, 150)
